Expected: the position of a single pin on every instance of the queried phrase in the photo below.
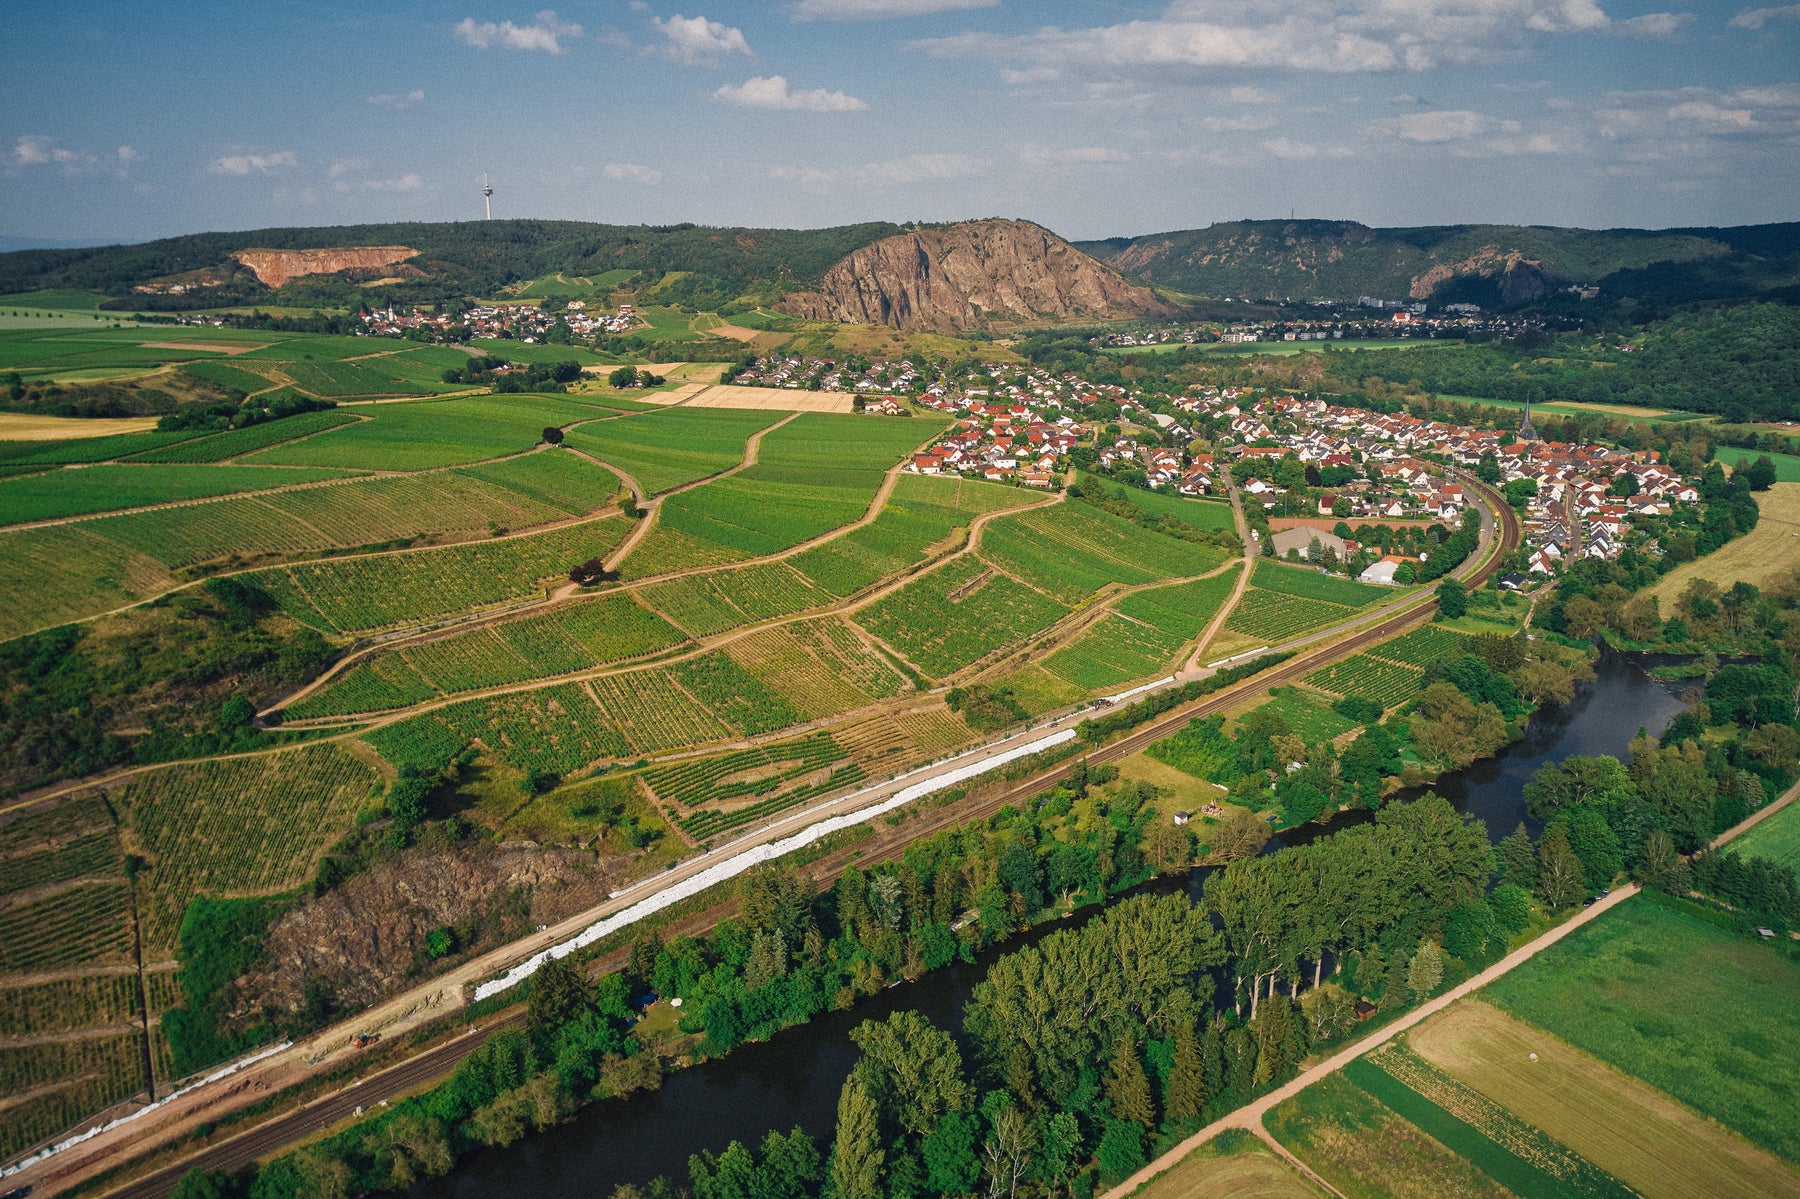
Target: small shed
(1181, 818)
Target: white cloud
(696, 40)
(772, 91)
(1449, 125)
(405, 100)
(1039, 156)
(1248, 123)
(345, 166)
(247, 164)
(1713, 117)
(1307, 35)
(128, 154)
(875, 10)
(408, 182)
(912, 168)
(1244, 94)
(1655, 24)
(545, 34)
(35, 150)
(1282, 147)
(631, 172)
(1029, 75)
(1756, 18)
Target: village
(528, 323)
(1404, 320)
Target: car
(363, 1040)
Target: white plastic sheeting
(738, 863)
(1158, 684)
(50, 1151)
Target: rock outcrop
(276, 267)
(965, 276)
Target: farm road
(1251, 1115)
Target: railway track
(281, 1131)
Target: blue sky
(1109, 117)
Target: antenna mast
(487, 195)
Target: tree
(1453, 599)
(1560, 877)
(1121, 1151)
(559, 993)
(552, 435)
(1595, 843)
(1511, 904)
(1661, 867)
(1186, 1098)
(625, 376)
(1406, 574)
(1761, 474)
(1518, 858)
(1167, 848)
(1426, 970)
(856, 1155)
(1007, 1153)
(912, 1070)
(204, 1184)
(1127, 1087)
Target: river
(794, 1078)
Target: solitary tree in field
(553, 435)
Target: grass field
(1787, 466)
(1777, 837)
(1632, 1131)
(1201, 513)
(1367, 1151)
(1769, 552)
(1230, 1167)
(1690, 1009)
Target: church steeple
(1527, 431)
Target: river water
(794, 1078)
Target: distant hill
(963, 276)
(1489, 265)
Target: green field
(222, 446)
(1183, 609)
(1310, 584)
(1275, 616)
(1777, 837)
(429, 433)
(1071, 550)
(949, 618)
(1690, 1009)
(1787, 466)
(1115, 650)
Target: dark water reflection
(794, 1078)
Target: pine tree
(1518, 860)
(1371, 969)
(1187, 1080)
(856, 1158)
(1127, 1088)
(1426, 970)
(1560, 878)
(1212, 1060)
(1393, 994)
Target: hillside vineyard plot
(956, 615)
(1073, 550)
(1115, 650)
(668, 448)
(1275, 616)
(427, 433)
(820, 667)
(813, 474)
(65, 493)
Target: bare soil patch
(21, 426)
(725, 395)
(215, 347)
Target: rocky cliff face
(276, 267)
(963, 276)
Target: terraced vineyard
(1275, 616)
(557, 729)
(1310, 584)
(1117, 649)
(662, 450)
(819, 666)
(734, 695)
(1423, 646)
(238, 825)
(1073, 550)
(63, 493)
(66, 1080)
(956, 615)
(1364, 675)
(784, 775)
(360, 594)
(654, 712)
(1183, 609)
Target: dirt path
(1251, 1115)
(1194, 668)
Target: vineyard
(62, 493)
(431, 433)
(181, 537)
(1310, 584)
(555, 477)
(423, 741)
(1184, 609)
(951, 617)
(653, 712)
(734, 695)
(222, 446)
(1275, 616)
(819, 667)
(1115, 650)
(1072, 550)
(782, 775)
(67, 1004)
(1307, 713)
(55, 575)
(1423, 646)
(556, 729)
(1367, 677)
(355, 595)
(468, 662)
(712, 603)
(81, 925)
(238, 826)
(392, 509)
(666, 449)
(382, 683)
(74, 1078)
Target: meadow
(1763, 556)
(1787, 466)
(1777, 837)
(1231, 1164)
(1631, 989)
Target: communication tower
(487, 196)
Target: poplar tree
(1127, 1088)
(856, 1159)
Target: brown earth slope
(962, 276)
(276, 267)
